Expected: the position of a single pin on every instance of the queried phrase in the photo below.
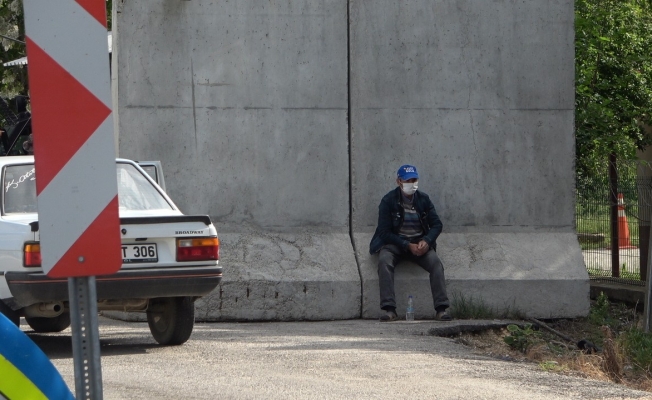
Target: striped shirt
(411, 228)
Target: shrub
(520, 338)
(638, 346)
(599, 313)
(463, 307)
(470, 308)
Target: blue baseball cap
(407, 172)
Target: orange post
(623, 228)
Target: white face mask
(409, 188)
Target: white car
(169, 259)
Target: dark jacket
(390, 220)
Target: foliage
(585, 351)
(470, 308)
(552, 366)
(613, 74)
(109, 15)
(464, 307)
(638, 346)
(599, 313)
(13, 80)
(521, 338)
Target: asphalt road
(356, 359)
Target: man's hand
(419, 249)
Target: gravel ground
(359, 359)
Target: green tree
(613, 80)
(13, 80)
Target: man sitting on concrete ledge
(408, 227)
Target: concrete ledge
(615, 291)
(284, 276)
(542, 275)
(314, 276)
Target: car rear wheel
(49, 325)
(9, 313)
(171, 319)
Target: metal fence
(600, 210)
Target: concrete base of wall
(314, 276)
(538, 275)
(284, 276)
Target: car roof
(6, 160)
(16, 160)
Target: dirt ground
(602, 358)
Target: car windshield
(135, 192)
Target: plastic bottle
(409, 312)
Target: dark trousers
(390, 255)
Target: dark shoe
(388, 316)
(443, 316)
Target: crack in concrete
(350, 147)
(464, 42)
(473, 250)
(213, 84)
(162, 107)
(194, 111)
(475, 146)
(246, 243)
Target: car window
(136, 193)
(151, 171)
(19, 189)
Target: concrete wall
(479, 95)
(246, 104)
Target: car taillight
(198, 249)
(32, 255)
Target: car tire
(171, 319)
(9, 313)
(49, 325)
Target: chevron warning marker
(72, 122)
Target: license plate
(139, 253)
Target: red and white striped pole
(73, 137)
(79, 226)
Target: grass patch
(597, 220)
(463, 307)
(638, 347)
(552, 366)
(620, 351)
(634, 276)
(624, 352)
